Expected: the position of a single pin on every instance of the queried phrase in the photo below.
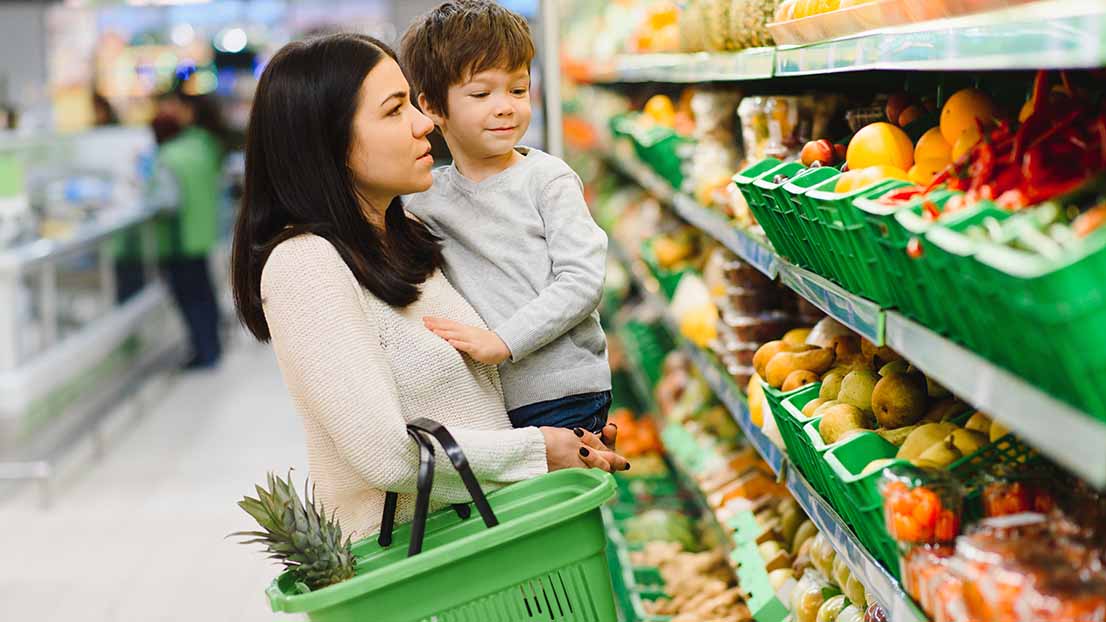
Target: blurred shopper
(102, 112)
(191, 136)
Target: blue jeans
(587, 411)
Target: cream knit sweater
(358, 369)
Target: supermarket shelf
(873, 575)
(1051, 34)
(880, 582)
(752, 64)
(1071, 438)
(1060, 34)
(753, 251)
(858, 313)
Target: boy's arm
(578, 253)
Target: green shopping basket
(538, 554)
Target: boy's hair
(459, 39)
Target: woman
(327, 266)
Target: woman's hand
(566, 449)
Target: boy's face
(489, 113)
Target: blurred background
(134, 412)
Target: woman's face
(389, 153)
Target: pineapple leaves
(299, 535)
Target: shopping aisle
(141, 535)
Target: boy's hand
(482, 345)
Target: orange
(660, 109)
(881, 172)
(862, 178)
(880, 143)
(965, 142)
(963, 110)
(932, 145)
(848, 181)
(924, 171)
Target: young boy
(518, 240)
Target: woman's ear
(427, 110)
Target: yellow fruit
(880, 144)
(798, 378)
(968, 139)
(881, 172)
(998, 431)
(756, 400)
(963, 110)
(669, 252)
(805, 8)
(786, 10)
(825, 6)
(661, 110)
(849, 3)
(796, 336)
(700, 325)
(855, 180)
(932, 145)
(924, 171)
(848, 181)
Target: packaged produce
(657, 525)
(810, 594)
(1015, 493)
(876, 613)
(754, 127)
(831, 609)
(822, 555)
(921, 505)
(852, 613)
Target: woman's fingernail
(584, 452)
(578, 432)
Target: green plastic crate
(669, 280)
(1050, 325)
(803, 455)
(858, 268)
(790, 426)
(864, 501)
(755, 198)
(948, 255)
(788, 230)
(888, 240)
(816, 238)
(546, 558)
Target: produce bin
(790, 240)
(757, 200)
(888, 240)
(790, 422)
(948, 256)
(814, 234)
(804, 455)
(862, 497)
(859, 269)
(1050, 317)
(546, 557)
(669, 280)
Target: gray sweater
(522, 247)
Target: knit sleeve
(578, 254)
(330, 356)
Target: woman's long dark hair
(298, 180)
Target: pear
(839, 419)
(896, 436)
(980, 423)
(939, 455)
(922, 438)
(857, 389)
(782, 364)
(798, 379)
(881, 354)
(812, 406)
(894, 367)
(796, 336)
(831, 384)
(968, 441)
(768, 350)
(934, 389)
(876, 465)
(944, 410)
(805, 532)
(998, 430)
(899, 400)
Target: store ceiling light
(232, 40)
(164, 2)
(182, 34)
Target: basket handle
(420, 430)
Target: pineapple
(300, 536)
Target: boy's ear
(429, 111)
